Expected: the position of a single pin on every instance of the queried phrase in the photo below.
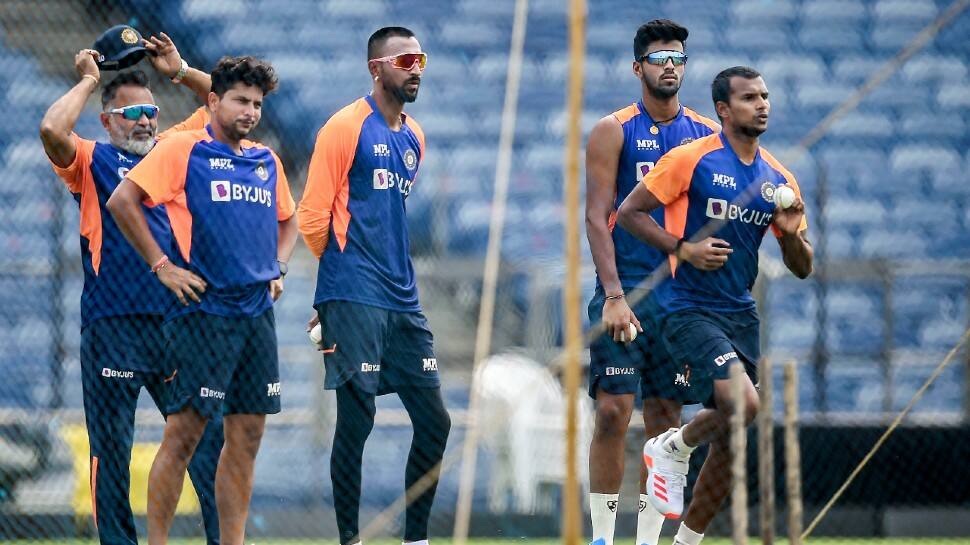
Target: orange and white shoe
(666, 475)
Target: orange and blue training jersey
(224, 210)
(644, 143)
(116, 280)
(353, 213)
(703, 182)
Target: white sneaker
(666, 475)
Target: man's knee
(659, 415)
(613, 414)
(244, 432)
(183, 431)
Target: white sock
(649, 522)
(675, 443)
(602, 511)
(422, 542)
(687, 536)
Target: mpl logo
(123, 159)
(720, 209)
(429, 364)
(683, 379)
(723, 180)
(214, 394)
(220, 191)
(724, 358)
(382, 150)
(644, 168)
(273, 389)
(112, 373)
(648, 145)
(369, 367)
(221, 163)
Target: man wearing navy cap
(122, 302)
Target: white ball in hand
(784, 196)
(631, 333)
(316, 334)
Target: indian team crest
(261, 172)
(129, 36)
(410, 159)
(768, 191)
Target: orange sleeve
(285, 207)
(790, 178)
(198, 120)
(162, 172)
(419, 132)
(74, 174)
(328, 186)
(670, 177)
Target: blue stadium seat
(498, 9)
(831, 40)
(213, 10)
(851, 167)
(945, 395)
(953, 37)
(933, 128)
(935, 69)
(476, 36)
(891, 38)
(954, 96)
(793, 69)
(356, 9)
(758, 13)
(915, 11)
(893, 244)
(613, 39)
(855, 70)
(839, 244)
(823, 13)
(495, 66)
(950, 183)
(752, 40)
(855, 387)
(888, 95)
(863, 125)
(906, 160)
(822, 95)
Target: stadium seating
(893, 170)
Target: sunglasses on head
(135, 111)
(406, 61)
(659, 58)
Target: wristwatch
(177, 78)
(284, 268)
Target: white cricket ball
(631, 333)
(316, 334)
(784, 196)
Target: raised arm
(59, 121)
(167, 61)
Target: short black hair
(131, 77)
(658, 30)
(721, 86)
(248, 70)
(380, 37)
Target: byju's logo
(369, 367)
(220, 191)
(717, 208)
(208, 392)
(112, 373)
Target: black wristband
(677, 247)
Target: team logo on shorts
(613, 371)
(410, 159)
(273, 389)
(261, 172)
(209, 392)
(429, 364)
(768, 191)
(129, 37)
(112, 373)
(683, 379)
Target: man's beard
(661, 93)
(401, 94)
(235, 134)
(137, 146)
(751, 132)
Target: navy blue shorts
(376, 349)
(223, 365)
(708, 342)
(625, 368)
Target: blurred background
(889, 206)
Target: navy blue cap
(118, 48)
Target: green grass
(754, 540)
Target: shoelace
(675, 479)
